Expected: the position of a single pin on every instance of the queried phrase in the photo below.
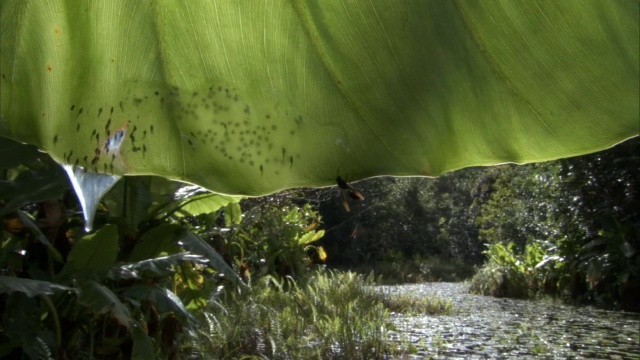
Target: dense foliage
(569, 227)
(167, 262)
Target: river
(484, 327)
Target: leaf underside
(254, 97)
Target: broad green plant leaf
(93, 252)
(21, 323)
(252, 97)
(29, 287)
(162, 240)
(102, 300)
(13, 153)
(197, 245)
(310, 237)
(36, 180)
(142, 344)
(207, 203)
(232, 214)
(156, 267)
(29, 223)
(163, 298)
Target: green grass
(411, 305)
(332, 315)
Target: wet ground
(485, 327)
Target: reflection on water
(487, 327)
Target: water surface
(486, 327)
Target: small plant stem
(54, 317)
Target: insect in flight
(347, 189)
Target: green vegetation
(171, 272)
(568, 228)
(331, 315)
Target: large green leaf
(165, 300)
(251, 97)
(156, 267)
(96, 251)
(197, 245)
(102, 300)
(29, 287)
(162, 240)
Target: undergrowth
(332, 315)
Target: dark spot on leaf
(79, 112)
(55, 139)
(121, 107)
(273, 127)
(156, 93)
(72, 107)
(151, 128)
(77, 127)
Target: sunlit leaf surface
(252, 97)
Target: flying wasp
(347, 189)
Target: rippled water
(487, 327)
